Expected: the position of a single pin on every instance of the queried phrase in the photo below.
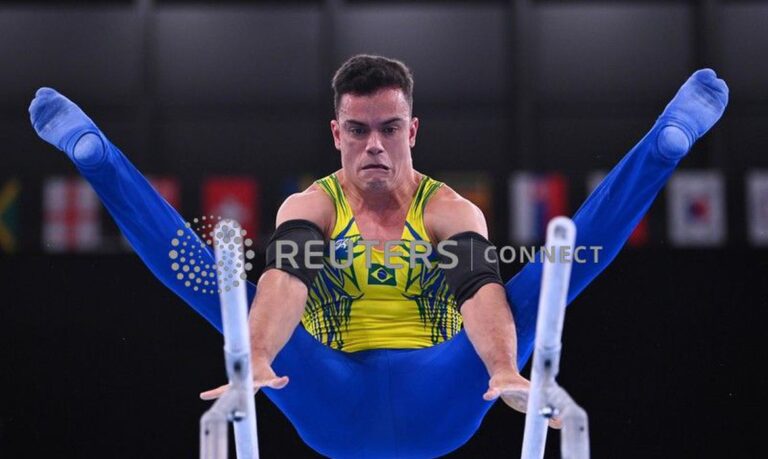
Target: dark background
(664, 350)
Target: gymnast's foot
(697, 106)
(60, 122)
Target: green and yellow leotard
(357, 307)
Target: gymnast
(385, 361)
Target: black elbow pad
(474, 263)
(297, 247)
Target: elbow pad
(469, 261)
(297, 247)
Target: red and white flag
(757, 207)
(696, 209)
(641, 234)
(169, 189)
(71, 221)
(534, 200)
(238, 198)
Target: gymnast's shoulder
(448, 213)
(312, 204)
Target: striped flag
(757, 207)
(696, 208)
(71, 221)
(534, 200)
(641, 234)
(169, 189)
(9, 215)
(238, 198)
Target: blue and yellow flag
(9, 215)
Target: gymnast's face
(375, 134)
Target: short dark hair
(365, 74)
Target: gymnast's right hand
(263, 376)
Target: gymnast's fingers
(556, 422)
(214, 393)
(272, 383)
(492, 394)
(518, 401)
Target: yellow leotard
(357, 307)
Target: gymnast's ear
(413, 128)
(336, 132)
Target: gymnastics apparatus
(546, 400)
(238, 404)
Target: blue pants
(389, 403)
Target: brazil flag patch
(381, 275)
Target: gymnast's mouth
(375, 166)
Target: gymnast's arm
(279, 304)
(487, 318)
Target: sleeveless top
(359, 302)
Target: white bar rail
(546, 398)
(237, 405)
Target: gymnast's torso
(360, 303)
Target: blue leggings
(389, 403)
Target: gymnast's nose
(374, 145)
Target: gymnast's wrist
(261, 356)
(503, 368)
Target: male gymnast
(386, 362)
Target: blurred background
(523, 105)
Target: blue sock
(60, 122)
(696, 107)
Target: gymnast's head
(374, 128)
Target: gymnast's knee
(673, 142)
(89, 149)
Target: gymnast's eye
(356, 131)
(389, 130)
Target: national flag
(534, 200)
(696, 208)
(237, 198)
(169, 189)
(9, 215)
(641, 234)
(71, 220)
(757, 207)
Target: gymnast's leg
(606, 219)
(144, 217)
(150, 223)
(611, 212)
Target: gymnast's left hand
(263, 376)
(513, 389)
